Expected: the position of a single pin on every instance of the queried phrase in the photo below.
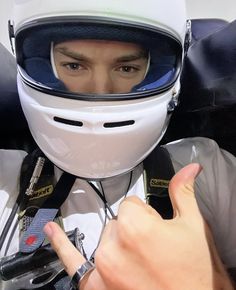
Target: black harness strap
(158, 171)
(34, 236)
(27, 169)
(48, 205)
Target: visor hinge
(11, 35)
(173, 104)
(188, 36)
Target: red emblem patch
(31, 240)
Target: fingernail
(192, 170)
(197, 168)
(48, 230)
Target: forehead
(88, 45)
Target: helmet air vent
(68, 122)
(118, 124)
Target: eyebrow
(132, 57)
(124, 58)
(72, 54)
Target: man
(97, 118)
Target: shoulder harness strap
(158, 171)
(26, 176)
(41, 201)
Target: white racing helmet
(90, 135)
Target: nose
(102, 82)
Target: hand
(142, 251)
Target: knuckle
(126, 232)
(104, 261)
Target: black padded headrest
(206, 26)
(13, 126)
(209, 73)
(208, 86)
(11, 115)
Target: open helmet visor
(33, 45)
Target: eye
(72, 66)
(128, 69)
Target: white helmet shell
(169, 15)
(91, 137)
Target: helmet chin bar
(95, 140)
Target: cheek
(126, 85)
(75, 84)
(121, 87)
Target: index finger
(67, 253)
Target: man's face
(99, 66)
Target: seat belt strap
(34, 236)
(158, 171)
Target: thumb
(182, 192)
(67, 253)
